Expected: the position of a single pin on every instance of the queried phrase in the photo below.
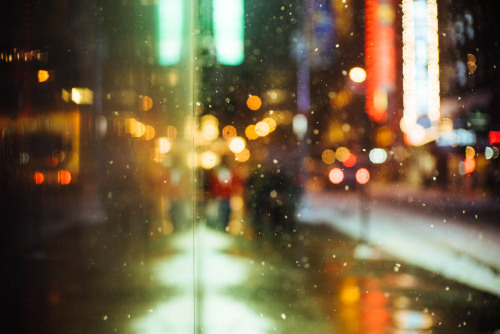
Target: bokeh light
(39, 178)
(336, 175)
(469, 165)
(43, 75)
(470, 153)
(63, 177)
(171, 132)
(149, 133)
(378, 155)
(237, 144)
(328, 156)
(250, 132)
(262, 129)
(357, 74)
(243, 156)
(163, 145)
(488, 153)
(228, 132)
(146, 103)
(209, 131)
(271, 122)
(342, 154)
(254, 102)
(351, 160)
(209, 160)
(384, 136)
(362, 176)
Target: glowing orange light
(336, 175)
(63, 177)
(228, 132)
(39, 178)
(362, 176)
(254, 102)
(43, 76)
(149, 133)
(146, 103)
(469, 165)
(250, 132)
(242, 156)
(351, 160)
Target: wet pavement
(207, 281)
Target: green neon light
(229, 31)
(170, 30)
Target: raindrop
(283, 316)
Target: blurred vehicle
(40, 150)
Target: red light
(52, 161)
(362, 176)
(469, 165)
(494, 137)
(336, 175)
(64, 177)
(39, 178)
(351, 161)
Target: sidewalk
(455, 248)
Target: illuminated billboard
(421, 101)
(380, 57)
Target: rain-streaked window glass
(232, 166)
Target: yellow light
(210, 119)
(228, 132)
(43, 75)
(357, 74)
(328, 156)
(138, 130)
(254, 102)
(271, 122)
(82, 96)
(209, 160)
(250, 132)
(163, 145)
(130, 125)
(470, 153)
(243, 155)
(446, 125)
(149, 133)
(262, 129)
(342, 154)
(209, 131)
(237, 144)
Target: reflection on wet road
(318, 281)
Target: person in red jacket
(223, 184)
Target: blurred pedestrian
(222, 184)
